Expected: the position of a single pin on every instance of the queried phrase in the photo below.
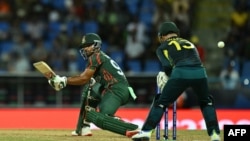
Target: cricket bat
(45, 69)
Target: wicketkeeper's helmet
(168, 27)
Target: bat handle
(49, 75)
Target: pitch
(98, 135)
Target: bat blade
(45, 69)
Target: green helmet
(91, 38)
(168, 27)
(88, 40)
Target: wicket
(158, 129)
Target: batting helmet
(90, 39)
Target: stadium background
(49, 30)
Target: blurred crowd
(236, 67)
(51, 30)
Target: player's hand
(58, 82)
(92, 82)
(161, 80)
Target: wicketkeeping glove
(58, 82)
(161, 80)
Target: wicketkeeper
(105, 89)
(182, 69)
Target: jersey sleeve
(94, 61)
(166, 65)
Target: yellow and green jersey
(180, 59)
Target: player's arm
(163, 75)
(59, 82)
(164, 59)
(81, 79)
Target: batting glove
(161, 80)
(92, 82)
(58, 82)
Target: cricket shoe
(129, 134)
(215, 136)
(85, 132)
(142, 136)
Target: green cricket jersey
(108, 72)
(180, 59)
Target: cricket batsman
(105, 90)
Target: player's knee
(158, 103)
(208, 102)
(163, 106)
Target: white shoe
(86, 131)
(73, 133)
(215, 136)
(142, 136)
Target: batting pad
(106, 122)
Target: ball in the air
(221, 44)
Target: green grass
(98, 135)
